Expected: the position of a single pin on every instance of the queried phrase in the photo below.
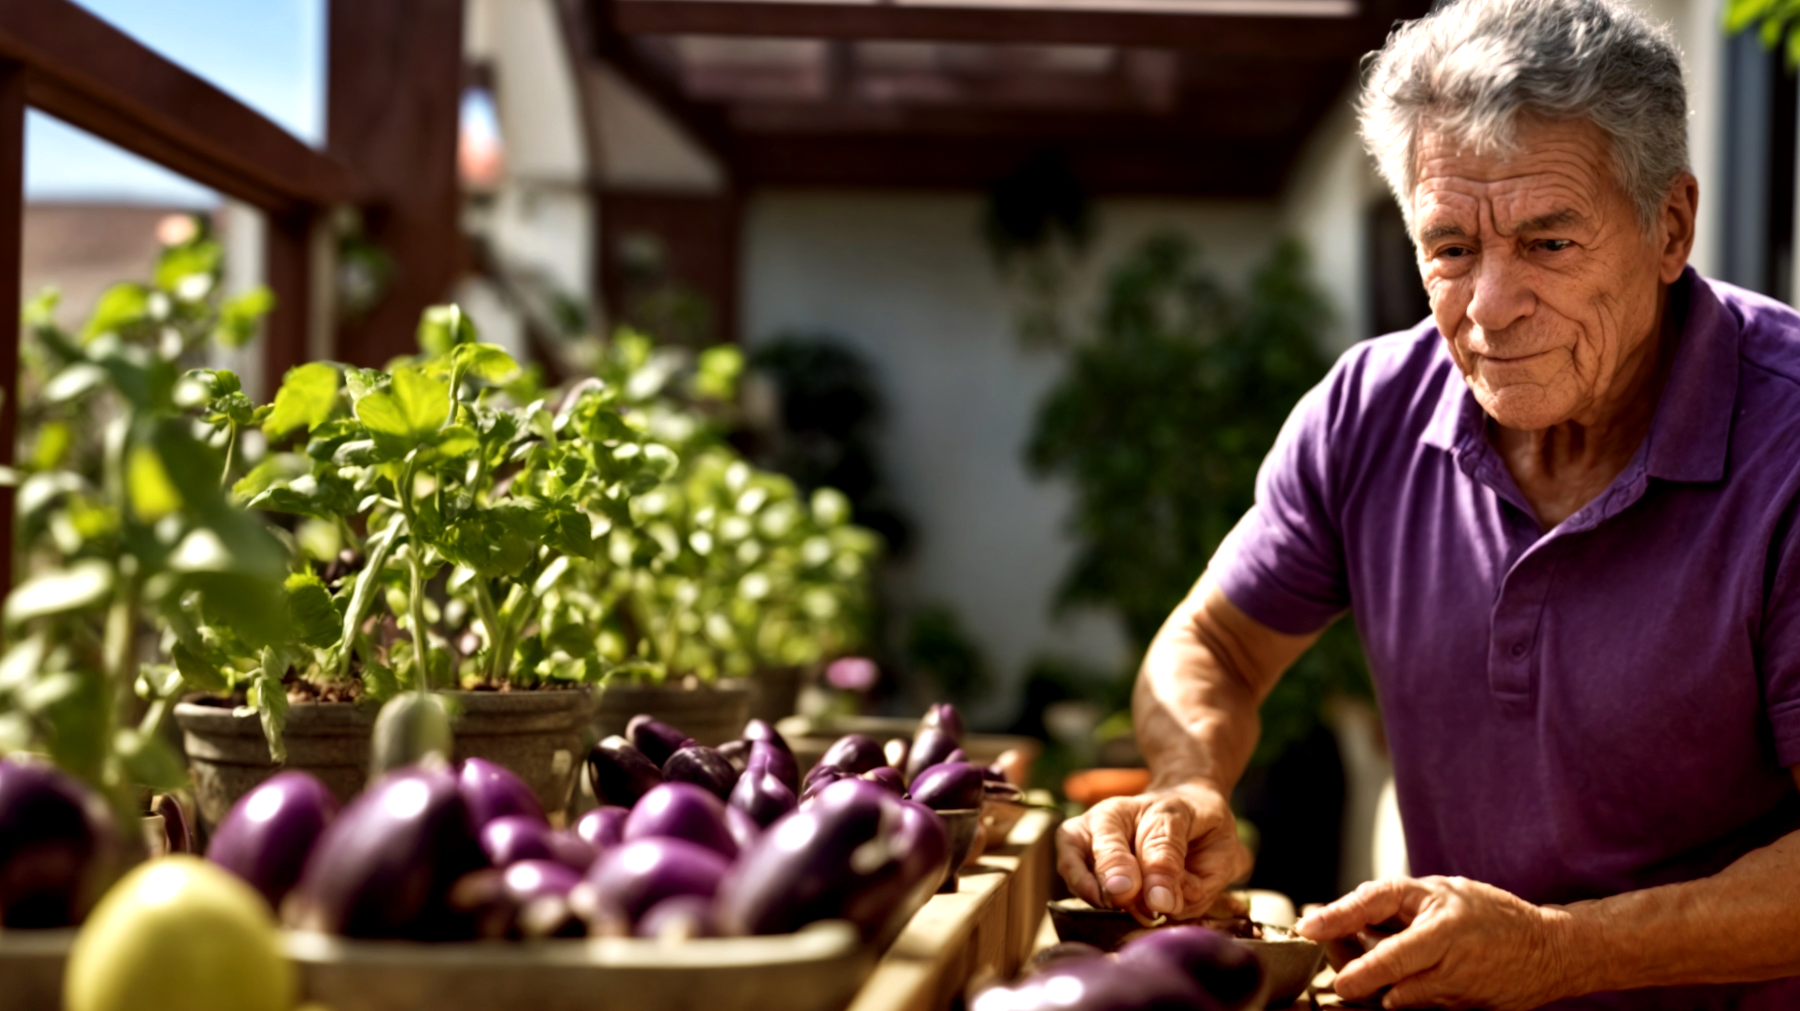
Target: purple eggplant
(955, 756)
(59, 847)
(514, 837)
(678, 919)
(267, 834)
(644, 872)
(571, 850)
(736, 754)
(922, 846)
(603, 827)
(703, 767)
(682, 811)
(854, 753)
(619, 773)
(815, 864)
(896, 751)
(656, 739)
(530, 899)
(384, 867)
(762, 796)
(821, 777)
(953, 786)
(761, 730)
(778, 761)
(887, 777)
(743, 828)
(930, 746)
(493, 791)
(943, 716)
(1099, 984)
(534, 879)
(1223, 967)
(1059, 952)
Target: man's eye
(1455, 252)
(1555, 245)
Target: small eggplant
(801, 870)
(494, 791)
(701, 766)
(59, 849)
(854, 753)
(511, 838)
(776, 761)
(737, 753)
(267, 834)
(679, 918)
(384, 866)
(944, 716)
(744, 829)
(953, 786)
(619, 773)
(1226, 969)
(644, 872)
(571, 850)
(887, 777)
(821, 777)
(656, 739)
(682, 811)
(603, 827)
(760, 730)
(1099, 984)
(762, 796)
(896, 751)
(929, 747)
(533, 879)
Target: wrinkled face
(1540, 276)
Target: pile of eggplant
(1172, 969)
(689, 841)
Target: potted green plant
(130, 542)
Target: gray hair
(1471, 67)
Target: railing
(59, 58)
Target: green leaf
(179, 264)
(152, 494)
(120, 307)
(149, 761)
(568, 530)
(486, 362)
(497, 541)
(267, 696)
(81, 584)
(306, 398)
(379, 682)
(73, 382)
(199, 673)
(719, 368)
(240, 317)
(410, 412)
(315, 619)
(442, 327)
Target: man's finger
(1162, 847)
(1117, 870)
(1412, 951)
(1214, 862)
(1074, 848)
(1373, 902)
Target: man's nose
(1502, 295)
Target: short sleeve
(1778, 654)
(1283, 564)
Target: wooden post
(287, 266)
(12, 240)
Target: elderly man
(1564, 513)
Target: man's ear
(1675, 226)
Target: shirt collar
(1691, 432)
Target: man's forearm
(1739, 925)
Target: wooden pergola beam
(1236, 35)
(84, 71)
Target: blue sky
(269, 54)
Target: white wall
(1325, 206)
(908, 282)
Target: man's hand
(1169, 852)
(1465, 945)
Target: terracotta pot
(229, 756)
(710, 714)
(542, 736)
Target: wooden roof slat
(90, 74)
(1236, 35)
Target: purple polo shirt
(1607, 706)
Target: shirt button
(1519, 648)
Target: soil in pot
(540, 735)
(229, 756)
(710, 714)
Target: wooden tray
(31, 968)
(817, 969)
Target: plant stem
(231, 440)
(490, 623)
(415, 562)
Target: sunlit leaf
(443, 327)
(316, 621)
(80, 584)
(410, 411)
(240, 317)
(153, 495)
(199, 673)
(149, 761)
(486, 362)
(121, 306)
(306, 398)
(73, 382)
